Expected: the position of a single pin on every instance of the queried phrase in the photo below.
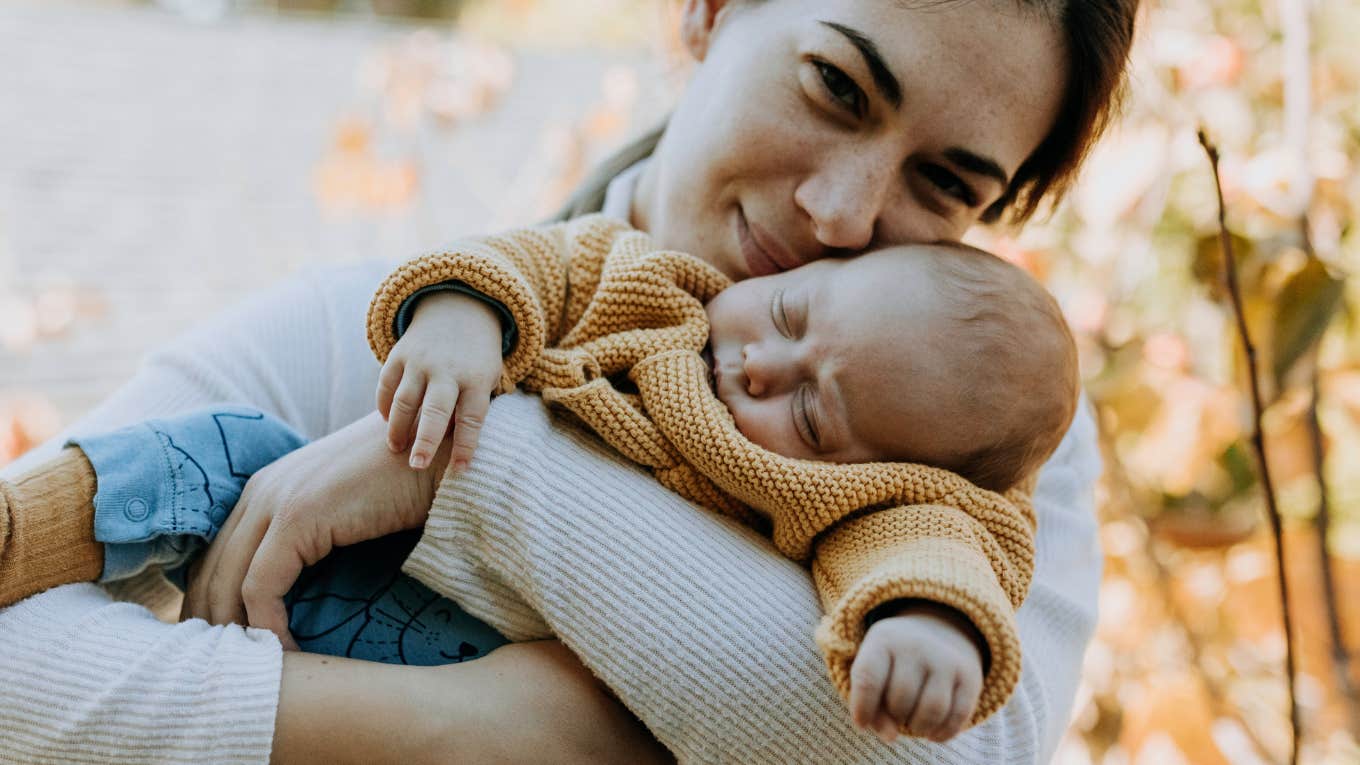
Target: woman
(810, 129)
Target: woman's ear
(698, 21)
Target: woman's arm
(89, 679)
(81, 672)
(511, 706)
(699, 626)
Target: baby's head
(940, 354)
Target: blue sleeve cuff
(509, 331)
(163, 488)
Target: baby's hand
(445, 367)
(919, 671)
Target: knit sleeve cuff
(405, 313)
(480, 267)
(939, 570)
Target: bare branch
(1258, 442)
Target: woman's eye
(841, 88)
(950, 184)
(779, 315)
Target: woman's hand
(340, 490)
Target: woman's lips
(759, 260)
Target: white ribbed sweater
(85, 679)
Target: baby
(939, 355)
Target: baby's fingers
(967, 690)
(435, 412)
(405, 405)
(473, 404)
(900, 697)
(934, 704)
(388, 380)
(868, 676)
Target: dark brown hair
(1098, 35)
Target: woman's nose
(767, 369)
(844, 199)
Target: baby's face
(828, 361)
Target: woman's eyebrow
(978, 164)
(887, 84)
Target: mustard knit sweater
(594, 299)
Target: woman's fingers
(405, 407)
(224, 602)
(201, 573)
(472, 408)
(273, 570)
(436, 411)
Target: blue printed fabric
(165, 487)
(357, 603)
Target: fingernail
(459, 465)
(393, 446)
(419, 461)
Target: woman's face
(814, 128)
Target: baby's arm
(976, 563)
(448, 362)
(919, 670)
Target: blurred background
(158, 160)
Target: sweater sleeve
(526, 271)
(936, 553)
(90, 679)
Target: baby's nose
(761, 369)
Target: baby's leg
(113, 504)
(357, 603)
(165, 487)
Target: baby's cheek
(767, 426)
